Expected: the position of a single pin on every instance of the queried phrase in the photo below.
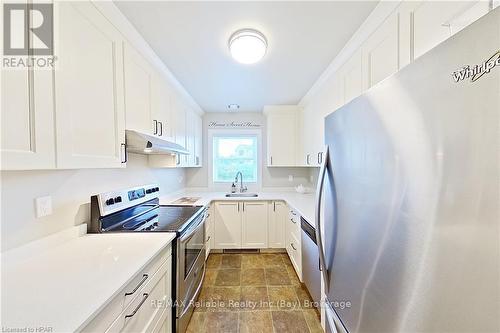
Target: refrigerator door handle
(333, 319)
(319, 195)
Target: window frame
(224, 186)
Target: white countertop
(302, 203)
(65, 285)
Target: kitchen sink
(242, 195)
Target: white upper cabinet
(138, 96)
(254, 225)
(380, 53)
(435, 21)
(282, 135)
(198, 141)
(412, 29)
(89, 89)
(180, 131)
(27, 119)
(190, 137)
(351, 74)
(161, 109)
(75, 116)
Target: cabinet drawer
(124, 298)
(143, 313)
(294, 223)
(293, 248)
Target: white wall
(70, 191)
(271, 177)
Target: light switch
(43, 206)
(290, 178)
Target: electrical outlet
(43, 206)
(290, 178)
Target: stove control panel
(111, 202)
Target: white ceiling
(191, 38)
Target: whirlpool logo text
(475, 72)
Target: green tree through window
(233, 154)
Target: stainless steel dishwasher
(310, 261)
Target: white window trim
(226, 187)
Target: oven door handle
(193, 230)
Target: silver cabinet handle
(293, 221)
(271, 160)
(123, 147)
(144, 298)
(320, 157)
(155, 124)
(293, 247)
(144, 278)
(161, 128)
(307, 159)
(319, 195)
(209, 238)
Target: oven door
(190, 268)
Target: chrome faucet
(242, 189)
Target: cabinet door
(198, 141)
(179, 115)
(278, 213)
(254, 225)
(434, 21)
(27, 125)
(227, 231)
(138, 84)
(209, 232)
(161, 110)
(381, 52)
(281, 133)
(352, 77)
(190, 137)
(27, 119)
(89, 84)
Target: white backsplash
(70, 191)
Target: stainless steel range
(138, 210)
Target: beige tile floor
(253, 293)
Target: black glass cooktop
(150, 216)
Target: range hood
(147, 144)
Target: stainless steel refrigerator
(408, 197)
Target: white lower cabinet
(254, 225)
(209, 231)
(227, 226)
(240, 225)
(144, 305)
(278, 215)
(293, 243)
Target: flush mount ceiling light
(247, 46)
(233, 107)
